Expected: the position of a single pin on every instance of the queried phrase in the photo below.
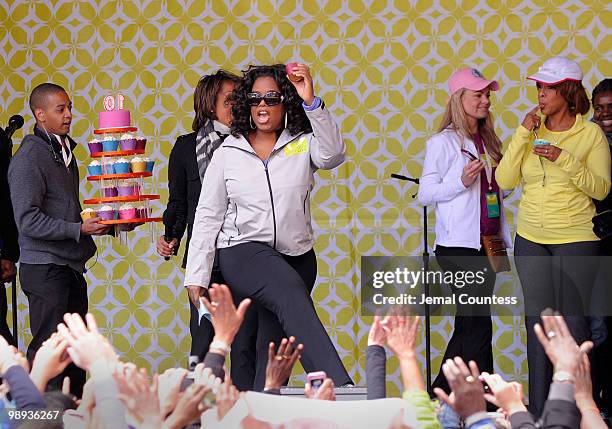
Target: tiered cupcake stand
(110, 181)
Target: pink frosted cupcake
(127, 211)
(106, 213)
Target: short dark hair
(205, 96)
(575, 95)
(603, 86)
(41, 92)
(297, 121)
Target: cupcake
(127, 211)
(94, 168)
(125, 188)
(143, 212)
(138, 164)
(128, 142)
(121, 166)
(107, 167)
(110, 143)
(150, 164)
(106, 213)
(141, 143)
(88, 214)
(94, 145)
(109, 191)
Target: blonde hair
(455, 119)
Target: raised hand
(304, 87)
(467, 396)
(325, 392)
(377, 335)
(86, 344)
(50, 360)
(188, 408)
(508, 396)
(280, 364)
(169, 389)
(401, 331)
(558, 343)
(226, 319)
(227, 396)
(139, 396)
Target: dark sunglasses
(271, 98)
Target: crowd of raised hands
(118, 394)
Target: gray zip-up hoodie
(247, 199)
(45, 195)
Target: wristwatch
(220, 345)
(562, 377)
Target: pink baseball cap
(470, 79)
(557, 70)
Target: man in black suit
(189, 159)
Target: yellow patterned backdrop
(380, 66)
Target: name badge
(492, 205)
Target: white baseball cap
(557, 70)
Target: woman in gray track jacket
(256, 211)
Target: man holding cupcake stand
(55, 243)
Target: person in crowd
(601, 322)
(563, 163)
(189, 160)
(459, 180)
(256, 211)
(9, 246)
(54, 243)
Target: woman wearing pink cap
(458, 178)
(562, 162)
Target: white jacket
(457, 207)
(244, 199)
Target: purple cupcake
(109, 191)
(128, 142)
(95, 146)
(106, 213)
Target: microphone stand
(425, 256)
(6, 144)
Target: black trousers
(52, 291)
(243, 354)
(280, 287)
(551, 278)
(473, 333)
(4, 329)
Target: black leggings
(550, 277)
(280, 287)
(473, 331)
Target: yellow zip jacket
(556, 205)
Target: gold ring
(278, 358)
(470, 379)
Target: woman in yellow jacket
(563, 162)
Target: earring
(251, 123)
(286, 121)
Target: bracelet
(584, 410)
(220, 345)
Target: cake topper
(109, 102)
